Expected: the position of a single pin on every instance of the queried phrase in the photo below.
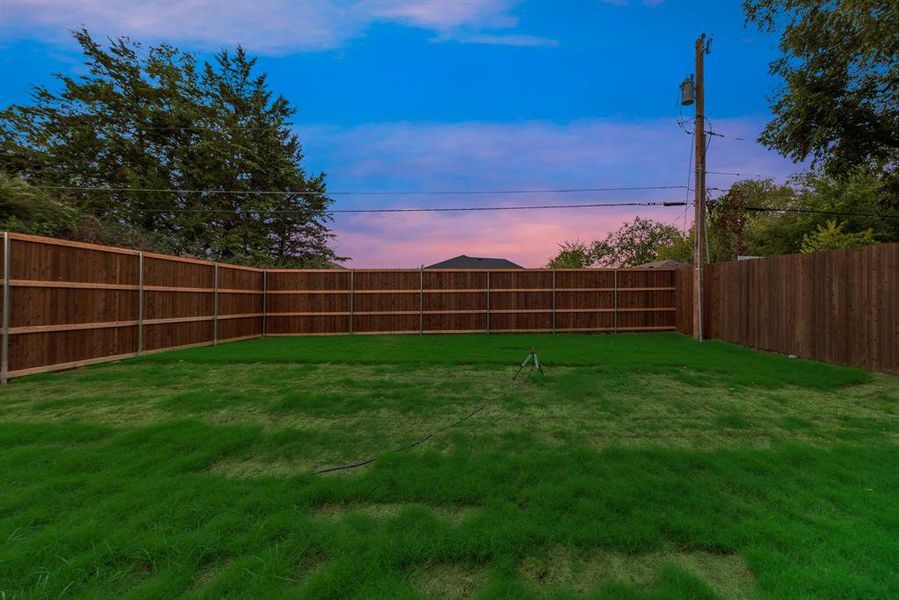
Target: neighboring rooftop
(663, 264)
(474, 262)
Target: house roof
(663, 264)
(474, 262)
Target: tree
(735, 231)
(201, 154)
(572, 255)
(832, 237)
(794, 210)
(840, 67)
(635, 243)
(25, 209)
(679, 249)
(30, 210)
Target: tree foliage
(679, 249)
(635, 243)
(158, 119)
(839, 63)
(831, 236)
(809, 212)
(572, 255)
(736, 230)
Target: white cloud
(443, 14)
(507, 40)
(271, 27)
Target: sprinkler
(535, 366)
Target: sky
(462, 95)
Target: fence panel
(840, 306)
(73, 304)
(70, 304)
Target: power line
(358, 193)
(419, 210)
(736, 174)
(820, 212)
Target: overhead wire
(497, 192)
(821, 212)
(436, 209)
(736, 174)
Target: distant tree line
(842, 214)
(838, 108)
(176, 151)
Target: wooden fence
(440, 301)
(840, 306)
(67, 304)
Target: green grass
(646, 466)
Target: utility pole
(699, 203)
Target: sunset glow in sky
(399, 95)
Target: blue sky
(402, 95)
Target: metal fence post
(140, 302)
(4, 359)
(215, 314)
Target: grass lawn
(645, 466)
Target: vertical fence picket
(554, 301)
(615, 303)
(352, 297)
(264, 300)
(215, 302)
(140, 303)
(4, 359)
(488, 302)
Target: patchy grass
(645, 466)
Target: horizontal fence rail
(68, 304)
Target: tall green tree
(839, 63)
(212, 135)
(795, 210)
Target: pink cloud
(528, 238)
(497, 156)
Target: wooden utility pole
(699, 203)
